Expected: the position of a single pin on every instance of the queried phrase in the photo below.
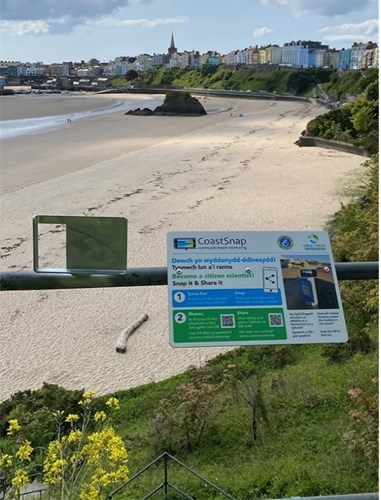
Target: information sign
(253, 288)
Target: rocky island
(175, 104)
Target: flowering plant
(14, 471)
(83, 463)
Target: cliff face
(175, 104)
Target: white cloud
(64, 24)
(143, 23)
(362, 32)
(325, 8)
(24, 10)
(259, 32)
(20, 28)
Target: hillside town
(294, 54)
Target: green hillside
(280, 80)
(302, 445)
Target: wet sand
(21, 106)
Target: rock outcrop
(140, 112)
(175, 104)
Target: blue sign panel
(225, 297)
(307, 290)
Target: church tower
(172, 49)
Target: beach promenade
(235, 169)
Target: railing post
(165, 476)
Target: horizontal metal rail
(149, 276)
(351, 496)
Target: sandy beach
(221, 171)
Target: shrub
(34, 410)
(363, 434)
(336, 124)
(131, 74)
(299, 82)
(181, 420)
(359, 342)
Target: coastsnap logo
(314, 238)
(285, 242)
(184, 243)
(313, 243)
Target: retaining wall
(306, 141)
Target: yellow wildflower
(74, 457)
(89, 394)
(113, 403)
(6, 460)
(72, 417)
(14, 426)
(100, 477)
(74, 436)
(105, 443)
(20, 478)
(87, 397)
(90, 493)
(54, 449)
(100, 416)
(53, 465)
(23, 453)
(53, 470)
(121, 474)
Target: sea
(26, 126)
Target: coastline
(22, 106)
(219, 172)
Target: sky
(52, 31)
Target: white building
(179, 60)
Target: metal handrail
(166, 484)
(149, 276)
(351, 496)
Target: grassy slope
(302, 454)
(335, 84)
(236, 80)
(221, 79)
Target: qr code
(227, 321)
(275, 319)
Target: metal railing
(166, 485)
(352, 496)
(150, 276)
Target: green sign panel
(228, 325)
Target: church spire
(172, 49)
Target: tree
(371, 92)
(299, 82)
(251, 392)
(131, 75)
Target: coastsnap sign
(247, 288)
